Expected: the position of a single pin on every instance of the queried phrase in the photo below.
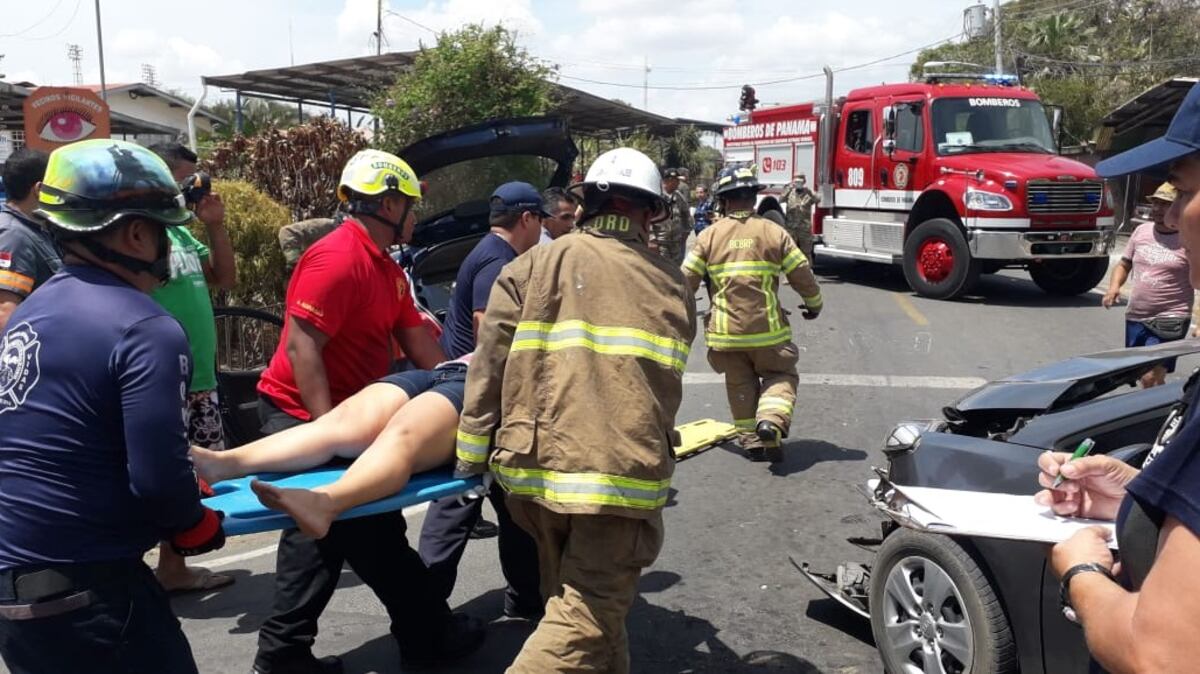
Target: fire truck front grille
(1072, 197)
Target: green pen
(1081, 451)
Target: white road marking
(270, 549)
(866, 380)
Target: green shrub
(253, 220)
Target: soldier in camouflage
(668, 236)
(798, 218)
(295, 238)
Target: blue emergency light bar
(1002, 80)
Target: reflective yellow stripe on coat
(471, 448)
(607, 340)
(597, 489)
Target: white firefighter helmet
(625, 167)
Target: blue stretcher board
(245, 515)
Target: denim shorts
(1137, 334)
(449, 381)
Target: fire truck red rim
(935, 259)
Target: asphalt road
(723, 596)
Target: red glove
(206, 489)
(205, 536)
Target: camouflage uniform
(295, 238)
(800, 202)
(671, 234)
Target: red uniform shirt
(356, 295)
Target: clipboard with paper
(972, 513)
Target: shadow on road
(800, 455)
(661, 641)
(992, 289)
(829, 612)
(231, 601)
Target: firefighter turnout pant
(761, 386)
(590, 567)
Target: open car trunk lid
(538, 136)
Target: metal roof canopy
(349, 84)
(1144, 118)
(12, 115)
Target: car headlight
(1110, 201)
(906, 435)
(978, 200)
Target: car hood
(538, 136)
(1067, 382)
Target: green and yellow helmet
(372, 173)
(92, 184)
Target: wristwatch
(1064, 587)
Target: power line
(60, 31)
(713, 87)
(418, 24)
(1072, 6)
(37, 23)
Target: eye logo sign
(56, 116)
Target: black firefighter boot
(772, 438)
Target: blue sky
(688, 43)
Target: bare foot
(312, 510)
(211, 466)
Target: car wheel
(933, 610)
(1073, 276)
(938, 262)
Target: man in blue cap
(517, 212)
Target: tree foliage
(1088, 58)
(253, 220)
(257, 116)
(470, 76)
(298, 167)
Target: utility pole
(645, 83)
(100, 48)
(996, 25)
(75, 54)
(379, 27)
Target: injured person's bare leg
(418, 438)
(344, 432)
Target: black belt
(42, 592)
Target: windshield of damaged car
(991, 124)
(460, 185)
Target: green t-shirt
(186, 298)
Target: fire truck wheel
(1073, 276)
(937, 261)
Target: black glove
(205, 536)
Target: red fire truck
(952, 177)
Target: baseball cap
(1165, 192)
(517, 196)
(1182, 138)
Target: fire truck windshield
(991, 124)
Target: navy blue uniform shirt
(1169, 483)
(471, 289)
(93, 451)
